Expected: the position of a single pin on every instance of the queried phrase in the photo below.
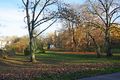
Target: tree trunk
(108, 44)
(97, 47)
(74, 43)
(98, 51)
(32, 57)
(73, 37)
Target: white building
(4, 41)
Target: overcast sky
(11, 18)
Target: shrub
(3, 54)
(27, 51)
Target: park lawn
(58, 66)
(57, 58)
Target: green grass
(59, 66)
(76, 58)
(73, 59)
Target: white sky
(12, 18)
(12, 23)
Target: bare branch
(24, 2)
(42, 21)
(45, 5)
(114, 11)
(96, 12)
(102, 4)
(45, 28)
(116, 19)
(110, 4)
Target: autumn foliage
(18, 44)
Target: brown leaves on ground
(38, 70)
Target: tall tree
(92, 25)
(71, 17)
(108, 11)
(38, 12)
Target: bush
(11, 52)
(3, 54)
(27, 51)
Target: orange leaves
(18, 44)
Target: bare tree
(72, 18)
(90, 32)
(108, 11)
(37, 13)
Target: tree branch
(97, 12)
(116, 19)
(45, 5)
(45, 28)
(42, 21)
